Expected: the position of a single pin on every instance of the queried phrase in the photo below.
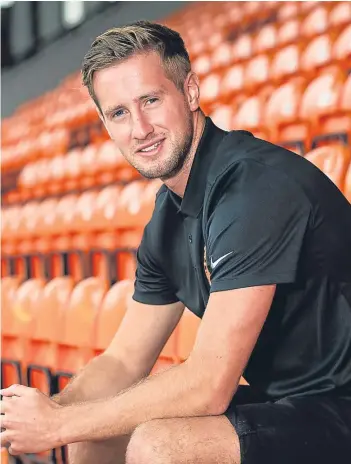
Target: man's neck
(178, 183)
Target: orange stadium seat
(317, 54)
(257, 71)
(249, 117)
(340, 14)
(333, 160)
(243, 47)
(285, 63)
(113, 309)
(342, 49)
(11, 371)
(19, 321)
(232, 83)
(43, 344)
(282, 107)
(223, 116)
(210, 88)
(288, 32)
(222, 56)
(287, 10)
(76, 344)
(88, 164)
(266, 39)
(4, 456)
(319, 98)
(316, 22)
(336, 124)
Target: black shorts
(294, 430)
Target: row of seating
(58, 326)
(68, 104)
(322, 106)
(296, 111)
(113, 207)
(278, 64)
(206, 28)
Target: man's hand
(30, 419)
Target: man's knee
(146, 444)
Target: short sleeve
(257, 228)
(151, 284)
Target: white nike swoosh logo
(214, 263)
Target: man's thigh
(191, 440)
(304, 430)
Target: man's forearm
(103, 376)
(177, 392)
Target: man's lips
(149, 145)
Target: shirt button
(190, 239)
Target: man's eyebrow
(112, 109)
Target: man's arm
(203, 385)
(130, 356)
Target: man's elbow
(220, 397)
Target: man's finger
(4, 438)
(2, 407)
(15, 390)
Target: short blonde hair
(119, 43)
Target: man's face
(146, 115)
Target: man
(275, 235)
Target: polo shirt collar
(192, 202)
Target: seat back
(342, 46)
(333, 160)
(113, 308)
(285, 62)
(317, 53)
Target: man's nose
(141, 127)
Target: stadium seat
(285, 63)
(112, 311)
(88, 165)
(43, 343)
(76, 344)
(4, 456)
(319, 98)
(287, 11)
(340, 14)
(257, 72)
(266, 39)
(316, 22)
(249, 117)
(222, 56)
(333, 160)
(223, 116)
(20, 316)
(128, 214)
(210, 88)
(335, 124)
(243, 47)
(232, 83)
(282, 107)
(317, 54)
(288, 32)
(342, 49)
(11, 371)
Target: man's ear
(192, 90)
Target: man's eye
(118, 113)
(152, 100)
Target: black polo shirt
(264, 216)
